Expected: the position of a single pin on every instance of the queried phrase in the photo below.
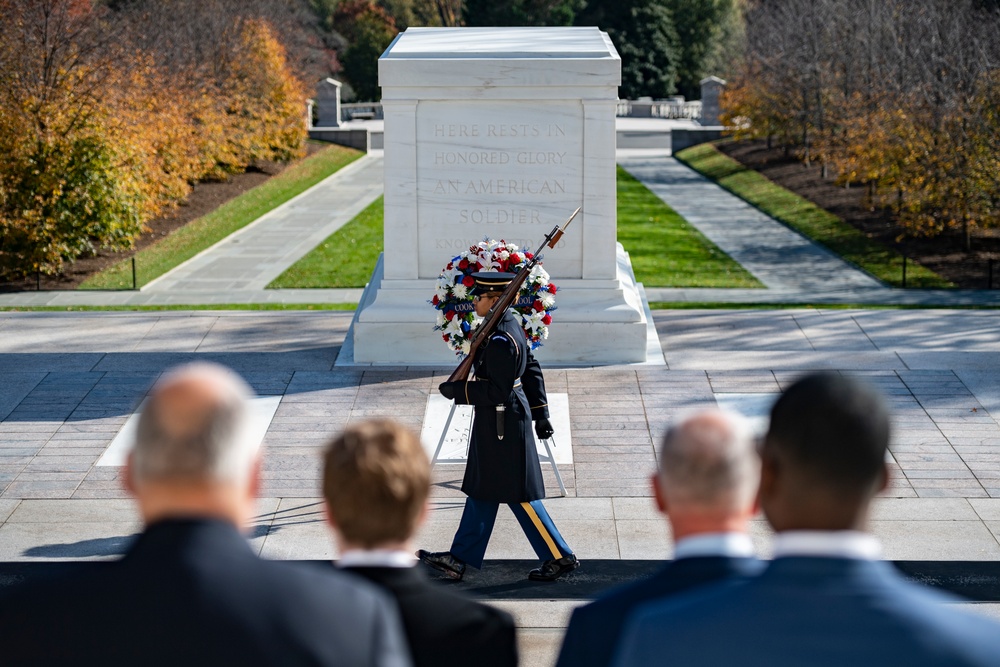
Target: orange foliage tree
(61, 190)
(900, 95)
(96, 137)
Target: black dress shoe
(443, 562)
(553, 569)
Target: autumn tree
(62, 191)
(896, 95)
(102, 125)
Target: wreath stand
(548, 458)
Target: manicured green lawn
(235, 214)
(665, 250)
(805, 217)
(345, 259)
(722, 305)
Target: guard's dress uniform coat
(506, 373)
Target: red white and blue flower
(456, 317)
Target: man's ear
(768, 479)
(658, 494)
(884, 478)
(256, 474)
(330, 519)
(128, 476)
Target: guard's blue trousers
(469, 545)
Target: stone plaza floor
(70, 381)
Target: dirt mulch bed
(943, 254)
(204, 198)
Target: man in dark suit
(190, 591)
(705, 486)
(825, 599)
(376, 479)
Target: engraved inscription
(498, 216)
(499, 170)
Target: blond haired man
(376, 479)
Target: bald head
(193, 428)
(708, 464)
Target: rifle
(507, 297)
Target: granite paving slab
(65, 408)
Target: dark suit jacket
(191, 592)
(446, 629)
(594, 629)
(811, 611)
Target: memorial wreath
(456, 317)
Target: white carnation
(504, 255)
(466, 347)
(459, 291)
(441, 319)
(547, 299)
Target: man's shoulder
(319, 580)
(910, 618)
(443, 626)
(414, 592)
(674, 578)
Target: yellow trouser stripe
(541, 530)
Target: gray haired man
(190, 591)
(706, 487)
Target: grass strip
(206, 231)
(345, 259)
(717, 305)
(665, 250)
(218, 306)
(807, 218)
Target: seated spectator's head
(824, 454)
(708, 474)
(192, 455)
(376, 478)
